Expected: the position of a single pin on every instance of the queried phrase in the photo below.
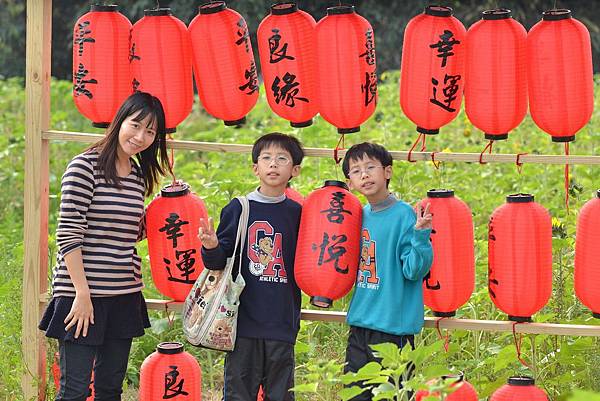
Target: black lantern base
(563, 138)
(302, 124)
(426, 131)
(496, 137)
(520, 319)
(596, 315)
(231, 123)
(348, 130)
(100, 125)
(170, 130)
(321, 302)
(444, 314)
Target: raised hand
(424, 218)
(207, 235)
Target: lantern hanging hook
(519, 163)
(340, 146)
(518, 343)
(567, 183)
(446, 337)
(487, 148)
(421, 138)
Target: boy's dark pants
(358, 352)
(254, 362)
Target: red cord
(487, 147)
(518, 344)
(446, 338)
(422, 138)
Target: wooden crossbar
(328, 152)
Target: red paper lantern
(465, 392)
(347, 86)
(286, 44)
(520, 257)
(161, 63)
(519, 388)
(328, 243)
(294, 195)
(432, 71)
(496, 74)
(560, 75)
(450, 282)
(224, 64)
(101, 80)
(587, 255)
(170, 373)
(172, 222)
(56, 376)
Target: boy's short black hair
(369, 149)
(286, 142)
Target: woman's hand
(81, 314)
(206, 234)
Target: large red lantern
(101, 80)
(464, 392)
(520, 257)
(450, 282)
(560, 75)
(519, 388)
(224, 64)
(286, 44)
(432, 71)
(161, 63)
(328, 243)
(170, 373)
(587, 255)
(294, 195)
(172, 222)
(496, 74)
(347, 86)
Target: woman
(97, 305)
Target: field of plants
(565, 367)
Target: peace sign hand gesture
(207, 235)
(424, 218)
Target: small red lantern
(286, 44)
(464, 392)
(224, 64)
(560, 75)
(161, 63)
(347, 83)
(432, 72)
(496, 74)
(450, 282)
(520, 257)
(101, 80)
(328, 243)
(172, 222)
(519, 388)
(587, 255)
(170, 373)
(294, 195)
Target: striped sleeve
(77, 190)
(142, 230)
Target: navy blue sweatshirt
(270, 302)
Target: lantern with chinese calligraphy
(224, 65)
(172, 222)
(101, 80)
(294, 195)
(496, 74)
(520, 257)
(450, 282)
(56, 376)
(560, 75)
(328, 243)
(587, 255)
(519, 388)
(464, 392)
(170, 373)
(432, 71)
(286, 44)
(347, 80)
(161, 63)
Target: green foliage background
(560, 364)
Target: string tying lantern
(224, 65)
(172, 221)
(347, 85)
(101, 80)
(286, 44)
(161, 63)
(450, 282)
(328, 243)
(520, 257)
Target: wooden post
(35, 268)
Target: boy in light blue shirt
(396, 254)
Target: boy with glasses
(396, 254)
(269, 313)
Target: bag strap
(241, 233)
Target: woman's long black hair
(153, 161)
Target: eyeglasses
(280, 160)
(369, 170)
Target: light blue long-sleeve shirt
(394, 260)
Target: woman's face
(136, 136)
